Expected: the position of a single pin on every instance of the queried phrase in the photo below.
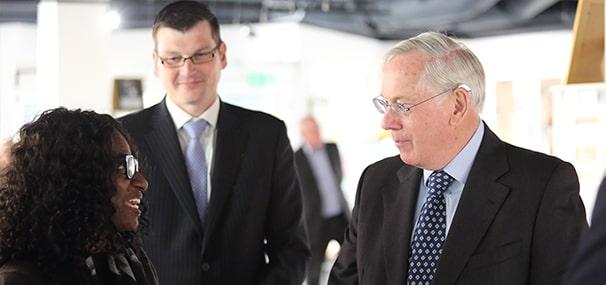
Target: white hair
(450, 63)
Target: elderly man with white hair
(457, 205)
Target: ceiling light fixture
(111, 20)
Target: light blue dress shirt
(458, 168)
(325, 177)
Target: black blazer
(312, 199)
(590, 261)
(518, 221)
(254, 212)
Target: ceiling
(380, 19)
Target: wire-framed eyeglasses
(383, 104)
(129, 166)
(197, 58)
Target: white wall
(131, 57)
(17, 76)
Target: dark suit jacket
(588, 267)
(254, 211)
(518, 221)
(312, 199)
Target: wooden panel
(587, 62)
(505, 110)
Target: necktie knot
(194, 129)
(438, 182)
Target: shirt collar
(181, 117)
(460, 165)
(310, 150)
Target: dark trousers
(331, 228)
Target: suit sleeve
(287, 245)
(345, 269)
(588, 265)
(560, 222)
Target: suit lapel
(229, 153)
(480, 202)
(335, 162)
(303, 163)
(163, 140)
(333, 156)
(399, 202)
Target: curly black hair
(55, 195)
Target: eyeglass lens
(380, 104)
(132, 166)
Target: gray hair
(450, 63)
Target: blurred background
(543, 60)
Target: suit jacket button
(205, 266)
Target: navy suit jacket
(518, 221)
(253, 232)
(588, 267)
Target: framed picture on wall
(128, 94)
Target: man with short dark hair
(458, 205)
(224, 204)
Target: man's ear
(462, 103)
(155, 59)
(223, 54)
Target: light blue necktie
(196, 164)
(430, 232)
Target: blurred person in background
(70, 204)
(326, 212)
(457, 205)
(225, 206)
(588, 265)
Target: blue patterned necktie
(430, 232)
(195, 160)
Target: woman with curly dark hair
(70, 204)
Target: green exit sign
(259, 79)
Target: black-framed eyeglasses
(383, 104)
(197, 58)
(129, 166)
